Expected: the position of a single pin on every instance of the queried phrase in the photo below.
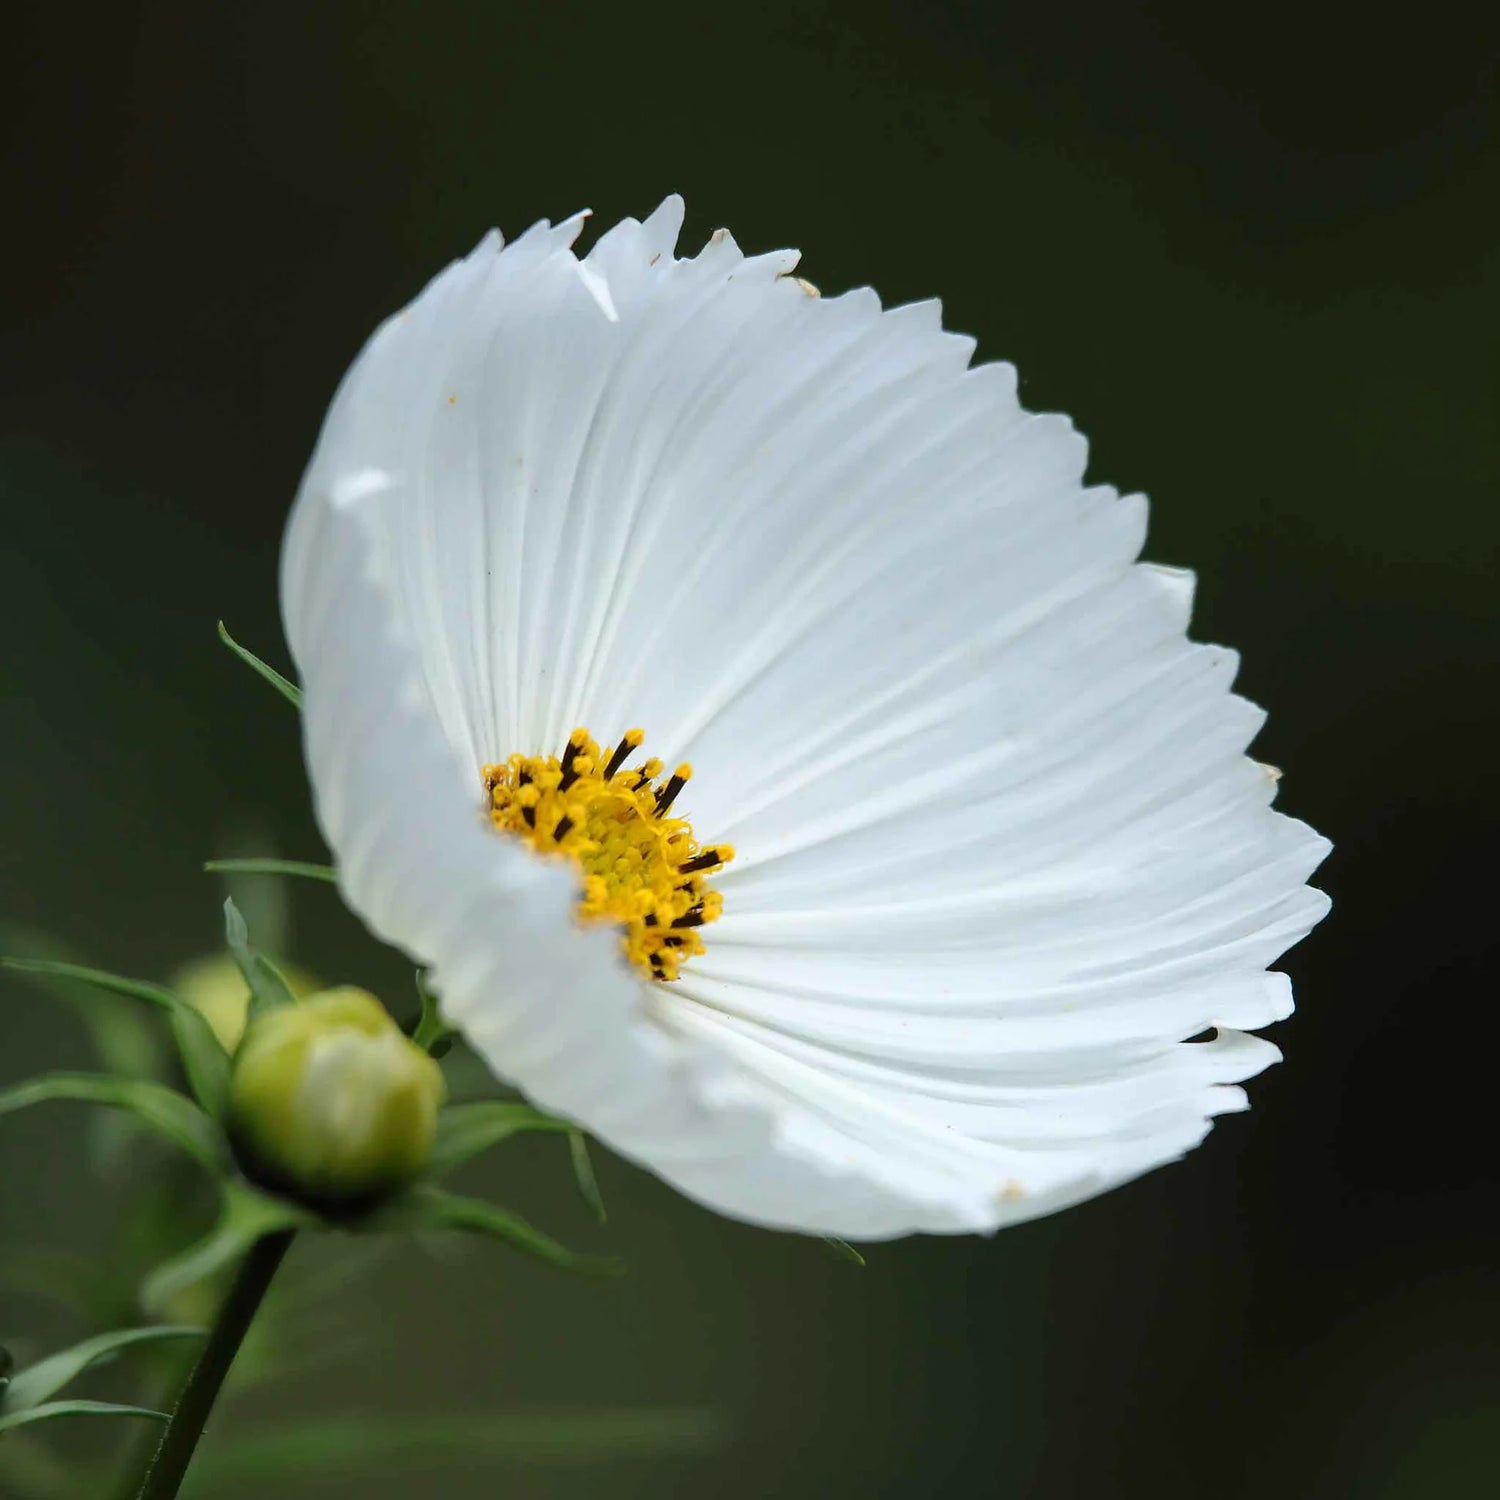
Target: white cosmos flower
(999, 852)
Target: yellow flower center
(642, 869)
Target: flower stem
(180, 1439)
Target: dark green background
(1252, 252)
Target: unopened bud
(330, 1102)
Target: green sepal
(428, 1208)
(247, 1214)
(583, 1174)
(164, 1109)
(431, 1033)
(43, 1380)
(464, 1130)
(288, 690)
(203, 1060)
(841, 1249)
(268, 987)
(77, 1409)
(297, 867)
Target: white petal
(1000, 852)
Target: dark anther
(559, 833)
(569, 775)
(650, 919)
(705, 861)
(617, 759)
(668, 794)
(693, 918)
(529, 813)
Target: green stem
(180, 1439)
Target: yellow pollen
(642, 869)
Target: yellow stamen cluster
(642, 869)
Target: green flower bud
(330, 1102)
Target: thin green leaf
(137, 989)
(123, 1038)
(164, 1109)
(841, 1249)
(583, 1175)
(263, 897)
(247, 1215)
(365, 1444)
(432, 1033)
(76, 1409)
(203, 1059)
(47, 1377)
(288, 690)
(268, 988)
(464, 1130)
(433, 1208)
(296, 867)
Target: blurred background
(1251, 251)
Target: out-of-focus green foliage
(346, 1448)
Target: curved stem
(180, 1439)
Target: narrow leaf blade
(583, 1175)
(246, 1216)
(164, 1109)
(268, 988)
(464, 1130)
(47, 1377)
(136, 989)
(203, 1059)
(288, 690)
(124, 1038)
(841, 1249)
(297, 867)
(432, 1208)
(432, 1032)
(52, 1409)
